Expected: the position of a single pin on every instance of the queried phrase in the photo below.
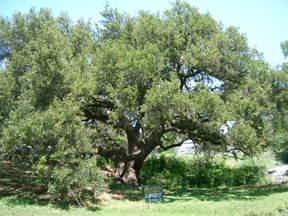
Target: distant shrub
(174, 172)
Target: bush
(172, 172)
(248, 172)
(209, 173)
(169, 171)
(81, 185)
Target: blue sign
(153, 193)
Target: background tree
(279, 83)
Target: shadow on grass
(216, 194)
(131, 193)
(13, 200)
(26, 200)
(126, 191)
(18, 187)
(224, 194)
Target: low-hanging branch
(173, 146)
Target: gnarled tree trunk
(129, 162)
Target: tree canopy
(279, 83)
(131, 84)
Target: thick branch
(172, 146)
(170, 129)
(134, 155)
(97, 108)
(118, 154)
(191, 72)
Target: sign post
(153, 193)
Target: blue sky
(263, 21)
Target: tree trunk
(129, 171)
(129, 161)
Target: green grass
(206, 202)
(266, 201)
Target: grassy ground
(261, 201)
(234, 202)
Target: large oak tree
(137, 83)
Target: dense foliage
(130, 85)
(81, 184)
(175, 172)
(279, 80)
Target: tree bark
(129, 162)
